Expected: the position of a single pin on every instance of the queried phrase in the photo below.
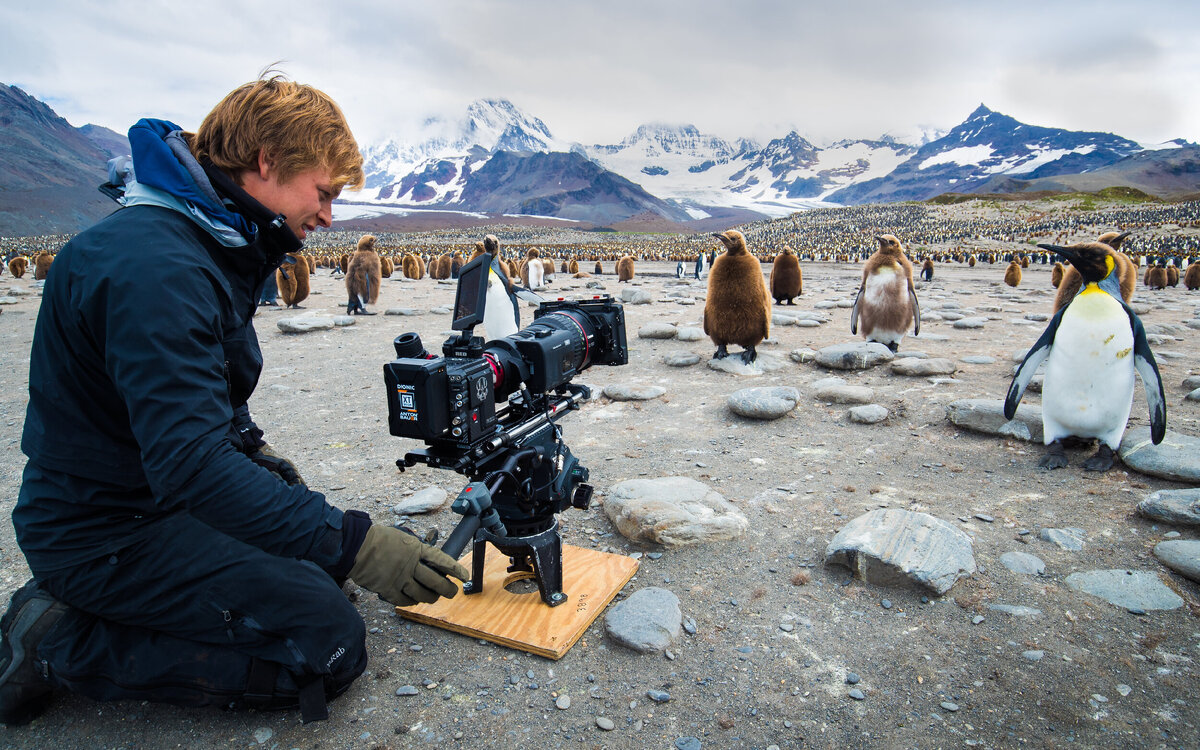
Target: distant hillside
(49, 170)
(1171, 173)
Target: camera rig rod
(579, 393)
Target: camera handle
(474, 504)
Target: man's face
(306, 199)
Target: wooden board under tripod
(523, 621)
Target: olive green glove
(403, 570)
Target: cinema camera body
(490, 411)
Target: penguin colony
(363, 276)
(1088, 386)
(1126, 273)
(737, 309)
(292, 280)
(786, 280)
(1012, 274)
(886, 302)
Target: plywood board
(522, 621)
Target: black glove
(403, 570)
(277, 465)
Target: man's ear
(266, 165)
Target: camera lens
(408, 346)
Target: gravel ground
(786, 651)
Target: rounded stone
(618, 392)
(605, 723)
(1180, 555)
(305, 324)
(868, 414)
(923, 367)
(854, 356)
(657, 331)
(763, 403)
(1024, 563)
(681, 359)
(1130, 589)
(689, 333)
(844, 394)
(563, 702)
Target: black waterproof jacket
(143, 348)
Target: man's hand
(276, 464)
(403, 570)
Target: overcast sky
(594, 71)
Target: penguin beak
(1121, 238)
(1065, 252)
(878, 238)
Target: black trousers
(193, 617)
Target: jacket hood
(163, 162)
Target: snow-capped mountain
(677, 162)
(987, 144)
(670, 169)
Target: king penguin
(886, 300)
(1091, 348)
(737, 309)
(501, 314)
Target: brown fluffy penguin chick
(1156, 277)
(343, 261)
(363, 276)
(625, 268)
(386, 266)
(41, 266)
(292, 280)
(738, 308)
(927, 270)
(1012, 274)
(786, 280)
(1172, 276)
(599, 268)
(1191, 277)
(1056, 277)
(886, 301)
(1125, 267)
(408, 265)
(573, 267)
(312, 264)
(456, 262)
(17, 267)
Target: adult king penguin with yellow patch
(886, 302)
(737, 309)
(1091, 348)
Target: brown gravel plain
(776, 631)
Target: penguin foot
(1055, 458)
(790, 302)
(1102, 461)
(721, 352)
(894, 346)
(749, 355)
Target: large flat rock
(890, 547)
(1181, 556)
(1131, 589)
(987, 416)
(1173, 506)
(856, 355)
(648, 621)
(763, 403)
(1176, 458)
(673, 511)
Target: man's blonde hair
(297, 126)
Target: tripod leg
(546, 553)
(475, 585)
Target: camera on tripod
(489, 410)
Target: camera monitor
(471, 297)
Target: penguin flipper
(1147, 368)
(1037, 354)
(854, 311)
(528, 295)
(912, 296)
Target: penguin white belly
(536, 274)
(884, 295)
(1088, 387)
(498, 319)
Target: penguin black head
(1093, 260)
(889, 244)
(733, 241)
(492, 245)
